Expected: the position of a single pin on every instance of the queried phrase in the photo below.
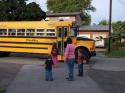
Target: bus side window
(40, 32)
(50, 32)
(3, 32)
(30, 32)
(12, 32)
(20, 32)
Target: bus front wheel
(86, 53)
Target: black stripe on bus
(27, 37)
(25, 52)
(24, 47)
(26, 43)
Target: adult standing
(69, 58)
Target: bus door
(62, 33)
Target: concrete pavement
(30, 79)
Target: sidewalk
(30, 79)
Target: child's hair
(49, 56)
(54, 45)
(69, 40)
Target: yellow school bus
(38, 37)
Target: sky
(102, 9)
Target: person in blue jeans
(48, 69)
(69, 58)
(70, 64)
(80, 59)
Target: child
(80, 59)
(48, 69)
(54, 54)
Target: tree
(118, 30)
(32, 12)
(118, 26)
(103, 22)
(18, 10)
(83, 6)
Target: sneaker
(67, 78)
(51, 80)
(70, 79)
(80, 75)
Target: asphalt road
(8, 72)
(10, 66)
(109, 81)
(108, 73)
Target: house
(98, 33)
(69, 16)
(94, 31)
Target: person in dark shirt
(80, 59)
(48, 69)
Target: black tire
(4, 54)
(85, 52)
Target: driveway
(22, 73)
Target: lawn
(2, 91)
(117, 53)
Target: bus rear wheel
(4, 54)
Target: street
(105, 75)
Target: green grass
(117, 50)
(2, 91)
(116, 53)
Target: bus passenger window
(65, 31)
(12, 32)
(59, 47)
(60, 32)
(3, 32)
(30, 32)
(40, 32)
(50, 32)
(20, 32)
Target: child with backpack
(80, 58)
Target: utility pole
(110, 25)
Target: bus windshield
(74, 30)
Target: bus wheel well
(85, 50)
